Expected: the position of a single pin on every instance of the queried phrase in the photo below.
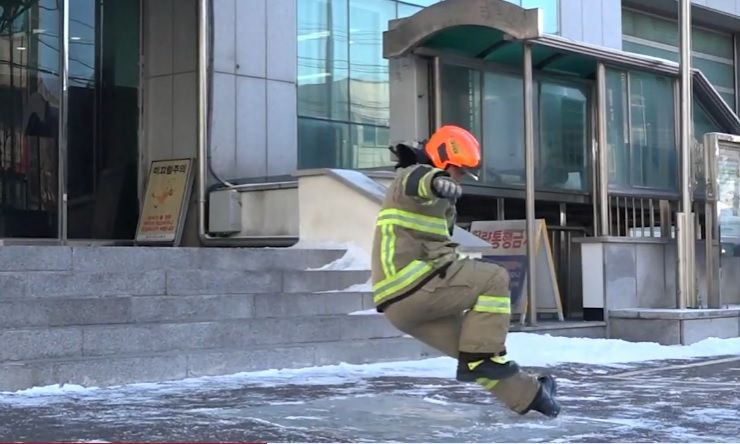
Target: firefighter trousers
(463, 310)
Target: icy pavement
(688, 394)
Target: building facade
(93, 94)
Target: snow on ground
(354, 259)
(545, 350)
(356, 288)
(368, 312)
(528, 349)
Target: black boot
(472, 367)
(545, 402)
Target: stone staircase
(99, 316)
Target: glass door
(29, 118)
(102, 151)
(101, 111)
(728, 199)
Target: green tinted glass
(563, 137)
(617, 131)
(652, 131)
(323, 59)
(503, 130)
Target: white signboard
(508, 239)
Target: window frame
(588, 86)
(730, 62)
(631, 188)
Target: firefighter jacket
(412, 241)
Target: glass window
(617, 130)
(496, 118)
(649, 27)
(563, 138)
(503, 130)
(652, 131)
(369, 84)
(323, 59)
(651, 51)
(658, 37)
(720, 75)
(461, 98)
(370, 146)
(641, 131)
(29, 113)
(323, 144)
(712, 43)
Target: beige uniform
(426, 290)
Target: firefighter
(457, 305)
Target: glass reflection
(29, 118)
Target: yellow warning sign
(165, 201)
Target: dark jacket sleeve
(418, 181)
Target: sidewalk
(678, 400)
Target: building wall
(254, 123)
(598, 22)
(170, 88)
(726, 6)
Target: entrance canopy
(494, 31)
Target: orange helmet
(452, 145)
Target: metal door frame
(713, 142)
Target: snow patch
(310, 418)
(545, 350)
(54, 390)
(368, 312)
(354, 259)
(356, 288)
(528, 349)
(435, 401)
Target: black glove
(445, 187)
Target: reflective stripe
(412, 183)
(413, 221)
(405, 277)
(387, 249)
(493, 304)
(423, 191)
(488, 384)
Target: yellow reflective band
(423, 191)
(409, 214)
(405, 277)
(473, 365)
(387, 250)
(499, 359)
(488, 384)
(493, 304)
(413, 221)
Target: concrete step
(144, 259)
(228, 282)
(74, 311)
(26, 344)
(19, 284)
(310, 304)
(570, 329)
(124, 369)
